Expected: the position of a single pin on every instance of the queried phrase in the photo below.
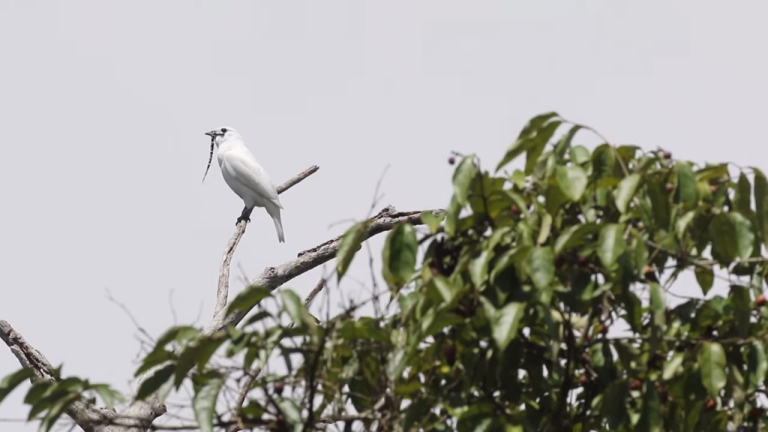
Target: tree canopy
(541, 299)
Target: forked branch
(274, 277)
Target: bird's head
(222, 134)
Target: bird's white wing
(248, 171)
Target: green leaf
(504, 321)
(741, 304)
(527, 138)
(614, 408)
(757, 365)
(611, 244)
(198, 352)
(463, 177)
(296, 309)
(711, 359)
(536, 123)
(155, 381)
(761, 204)
(565, 142)
(432, 221)
(204, 403)
(348, 247)
(434, 322)
(545, 230)
(153, 359)
(574, 236)
(478, 268)
(705, 277)
(657, 304)
(742, 200)
(108, 395)
(518, 178)
(722, 230)
(650, 414)
(56, 410)
(179, 334)
(555, 198)
(580, 155)
(10, 382)
(657, 192)
(572, 181)
(290, 410)
(682, 224)
(538, 143)
(446, 288)
(399, 256)
(452, 217)
(248, 298)
(658, 315)
(745, 237)
(626, 191)
(673, 366)
(687, 192)
(541, 264)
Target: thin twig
(315, 291)
(130, 316)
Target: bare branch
(315, 291)
(274, 277)
(222, 294)
(133, 319)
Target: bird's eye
(223, 130)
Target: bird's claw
(240, 219)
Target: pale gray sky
(104, 105)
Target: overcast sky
(103, 106)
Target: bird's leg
(245, 215)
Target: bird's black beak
(211, 134)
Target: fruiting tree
(542, 299)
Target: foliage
(541, 300)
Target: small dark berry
(583, 380)
(670, 187)
(711, 404)
(636, 385)
(650, 274)
(515, 209)
(583, 261)
(667, 155)
(450, 355)
(451, 160)
(603, 329)
(279, 386)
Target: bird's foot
(240, 219)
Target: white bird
(245, 176)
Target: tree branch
(222, 294)
(274, 277)
(85, 415)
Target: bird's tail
(274, 212)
